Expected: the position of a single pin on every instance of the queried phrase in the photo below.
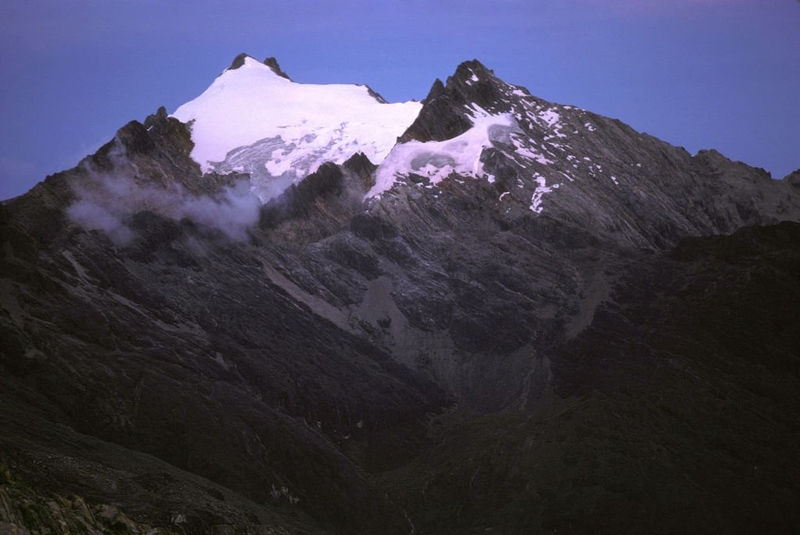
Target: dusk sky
(721, 74)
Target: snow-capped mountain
(254, 119)
(539, 155)
(507, 125)
(566, 163)
(484, 312)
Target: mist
(108, 200)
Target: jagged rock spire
(270, 62)
(445, 114)
(238, 61)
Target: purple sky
(721, 74)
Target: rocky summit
(514, 317)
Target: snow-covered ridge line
(252, 120)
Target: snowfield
(252, 120)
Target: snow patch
(541, 189)
(436, 160)
(533, 155)
(552, 119)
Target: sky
(721, 74)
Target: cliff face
(580, 328)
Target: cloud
(107, 200)
(93, 216)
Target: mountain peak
(270, 62)
(472, 70)
(446, 113)
(473, 83)
(253, 119)
(238, 61)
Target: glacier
(253, 120)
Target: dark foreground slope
(677, 410)
(442, 359)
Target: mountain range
(295, 308)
